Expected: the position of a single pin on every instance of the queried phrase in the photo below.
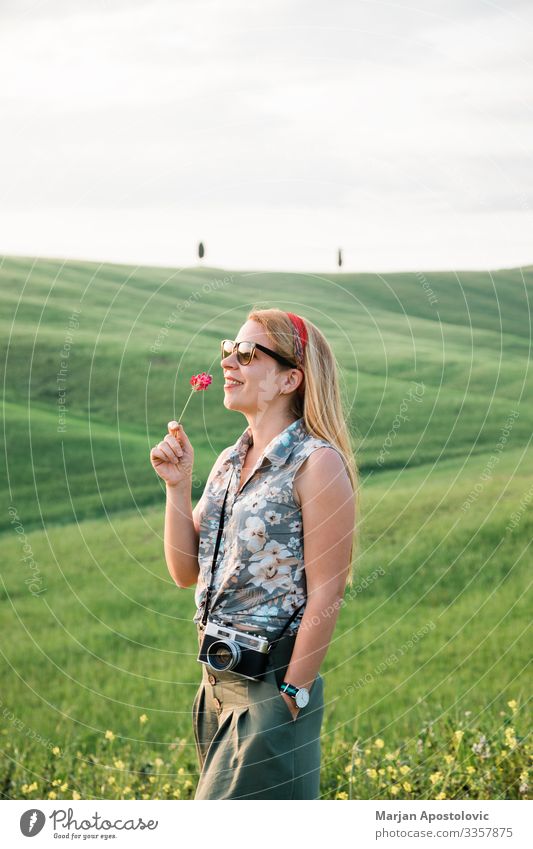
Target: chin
(234, 404)
(230, 404)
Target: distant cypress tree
(201, 250)
(339, 258)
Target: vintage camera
(224, 649)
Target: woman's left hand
(289, 701)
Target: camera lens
(223, 656)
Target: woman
(286, 486)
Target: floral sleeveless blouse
(260, 574)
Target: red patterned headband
(300, 337)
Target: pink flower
(198, 382)
(201, 381)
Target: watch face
(302, 697)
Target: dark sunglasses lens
(227, 347)
(244, 352)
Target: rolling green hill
(437, 380)
(469, 348)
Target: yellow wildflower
(341, 795)
(440, 795)
(458, 735)
(510, 738)
(181, 771)
(111, 779)
(127, 789)
(513, 704)
(358, 761)
(166, 787)
(381, 771)
(449, 759)
(64, 787)
(435, 777)
(56, 751)
(75, 795)
(145, 796)
(470, 769)
(407, 786)
(395, 789)
(143, 718)
(379, 743)
(52, 795)
(393, 772)
(159, 761)
(404, 769)
(372, 773)
(152, 779)
(177, 793)
(389, 756)
(109, 735)
(119, 764)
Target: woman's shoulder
(311, 443)
(320, 463)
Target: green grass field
(432, 637)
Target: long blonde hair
(319, 401)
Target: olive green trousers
(247, 742)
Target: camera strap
(278, 638)
(213, 564)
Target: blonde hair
(318, 400)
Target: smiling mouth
(229, 382)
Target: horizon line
(201, 266)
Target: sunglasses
(246, 351)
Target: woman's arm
(181, 537)
(182, 529)
(328, 515)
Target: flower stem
(185, 407)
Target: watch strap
(290, 689)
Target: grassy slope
(120, 395)
(111, 635)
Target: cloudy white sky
(274, 131)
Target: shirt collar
(277, 450)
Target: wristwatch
(299, 694)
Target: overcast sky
(274, 131)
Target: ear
(293, 379)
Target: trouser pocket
(195, 723)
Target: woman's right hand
(173, 458)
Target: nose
(229, 359)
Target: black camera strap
(278, 638)
(213, 564)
